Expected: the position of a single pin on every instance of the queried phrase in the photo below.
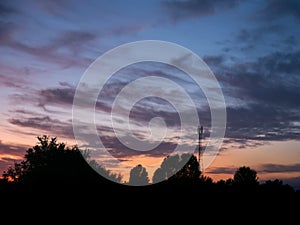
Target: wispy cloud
(12, 149)
(56, 96)
(54, 7)
(44, 124)
(276, 168)
(71, 41)
(258, 33)
(222, 170)
(120, 151)
(9, 154)
(269, 110)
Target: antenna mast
(200, 134)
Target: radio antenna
(200, 136)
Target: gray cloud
(179, 10)
(64, 48)
(56, 8)
(6, 8)
(276, 168)
(267, 88)
(264, 97)
(259, 33)
(280, 168)
(63, 96)
(264, 168)
(276, 9)
(213, 60)
(242, 142)
(270, 80)
(144, 113)
(44, 124)
(11, 82)
(12, 149)
(260, 122)
(59, 96)
(72, 41)
(222, 170)
(118, 150)
(55, 127)
(291, 40)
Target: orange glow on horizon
(281, 153)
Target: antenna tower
(200, 136)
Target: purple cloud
(277, 168)
(222, 170)
(15, 151)
(45, 124)
(12, 149)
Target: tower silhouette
(199, 147)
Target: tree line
(50, 165)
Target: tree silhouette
(190, 170)
(168, 168)
(184, 168)
(138, 176)
(245, 178)
(105, 172)
(271, 186)
(50, 164)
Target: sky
(251, 47)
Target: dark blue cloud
(6, 8)
(179, 10)
(276, 9)
(266, 92)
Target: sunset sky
(252, 48)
